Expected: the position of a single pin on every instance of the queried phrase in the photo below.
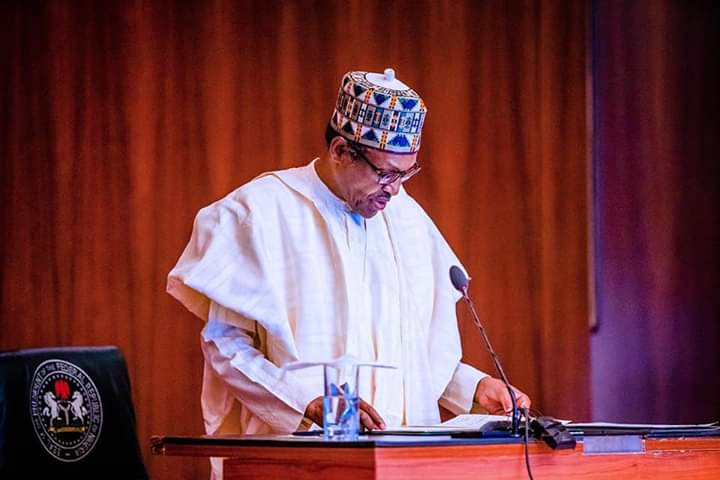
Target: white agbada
(282, 271)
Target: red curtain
(119, 120)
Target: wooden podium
(429, 458)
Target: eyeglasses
(384, 177)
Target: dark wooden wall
(657, 227)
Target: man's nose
(392, 188)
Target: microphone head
(458, 279)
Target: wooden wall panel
(657, 230)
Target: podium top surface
(165, 444)
(316, 440)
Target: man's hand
(370, 419)
(314, 411)
(491, 393)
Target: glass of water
(341, 419)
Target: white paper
(461, 423)
(474, 421)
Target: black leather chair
(67, 413)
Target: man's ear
(338, 147)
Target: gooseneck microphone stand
(460, 282)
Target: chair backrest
(67, 413)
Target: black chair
(67, 413)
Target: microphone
(460, 282)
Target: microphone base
(553, 433)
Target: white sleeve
(275, 396)
(460, 392)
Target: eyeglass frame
(384, 178)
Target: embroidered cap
(379, 111)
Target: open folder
(459, 424)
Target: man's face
(364, 170)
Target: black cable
(527, 433)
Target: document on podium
(652, 429)
(642, 426)
(461, 423)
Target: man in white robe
(315, 262)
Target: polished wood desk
(430, 458)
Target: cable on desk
(526, 413)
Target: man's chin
(366, 211)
